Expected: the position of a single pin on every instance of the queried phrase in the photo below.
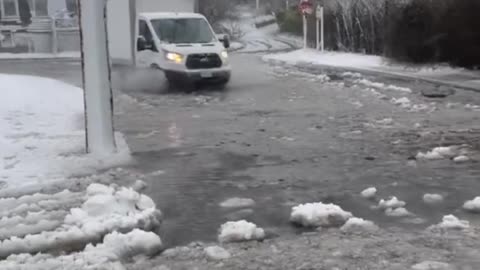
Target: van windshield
(184, 30)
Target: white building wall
(165, 5)
(56, 5)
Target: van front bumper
(214, 75)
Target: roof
(169, 15)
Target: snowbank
(42, 138)
(432, 265)
(116, 247)
(328, 58)
(319, 214)
(397, 212)
(369, 193)
(217, 253)
(359, 225)
(453, 223)
(472, 205)
(237, 231)
(104, 210)
(237, 203)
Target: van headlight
(174, 57)
(224, 55)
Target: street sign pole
(96, 73)
(320, 28)
(305, 31)
(322, 20)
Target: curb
(373, 72)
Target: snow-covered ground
(45, 205)
(42, 138)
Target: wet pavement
(282, 137)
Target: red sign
(306, 7)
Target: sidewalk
(40, 56)
(440, 74)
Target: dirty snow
(237, 231)
(438, 153)
(369, 193)
(403, 102)
(472, 205)
(391, 203)
(452, 222)
(237, 203)
(319, 214)
(44, 140)
(114, 249)
(432, 265)
(104, 210)
(383, 86)
(432, 198)
(462, 158)
(358, 224)
(217, 253)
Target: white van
(184, 46)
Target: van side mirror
(143, 44)
(225, 40)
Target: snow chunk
(115, 248)
(359, 224)
(438, 153)
(392, 203)
(461, 158)
(432, 265)
(139, 185)
(452, 222)
(369, 193)
(237, 231)
(397, 212)
(237, 203)
(432, 198)
(217, 253)
(472, 205)
(403, 102)
(319, 214)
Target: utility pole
(258, 5)
(96, 73)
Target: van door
(146, 50)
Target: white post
(96, 77)
(258, 5)
(287, 5)
(305, 31)
(322, 19)
(318, 33)
(54, 36)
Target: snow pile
(432, 198)
(42, 138)
(237, 203)
(104, 210)
(452, 222)
(116, 247)
(319, 214)
(237, 231)
(438, 153)
(472, 205)
(369, 193)
(358, 224)
(385, 121)
(378, 85)
(217, 253)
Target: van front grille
(203, 61)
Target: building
(50, 26)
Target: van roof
(169, 15)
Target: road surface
(282, 137)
